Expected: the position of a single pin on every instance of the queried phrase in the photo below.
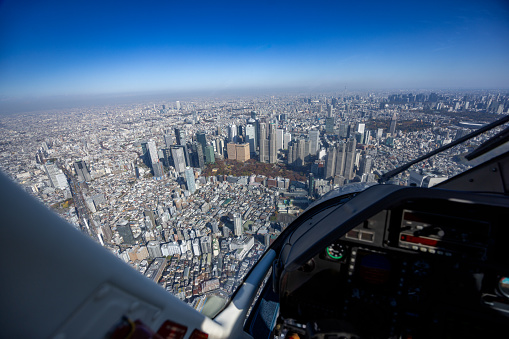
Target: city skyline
(61, 48)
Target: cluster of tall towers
(263, 137)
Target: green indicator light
(332, 255)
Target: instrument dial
(336, 251)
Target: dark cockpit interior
(413, 263)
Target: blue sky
(93, 47)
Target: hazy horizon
(57, 48)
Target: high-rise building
(179, 160)
(329, 125)
(206, 245)
(340, 159)
(343, 131)
(196, 247)
(264, 143)
(232, 133)
(291, 153)
(190, 182)
(330, 167)
(202, 139)
(329, 111)
(198, 157)
(272, 150)
(251, 137)
(287, 138)
(82, 171)
(350, 158)
(301, 152)
(231, 150)
(314, 142)
(264, 150)
(311, 185)
(180, 136)
(392, 128)
(154, 249)
(157, 167)
(168, 140)
(167, 159)
(149, 151)
(242, 152)
(209, 155)
(241, 132)
(272, 144)
(365, 165)
(262, 130)
(220, 146)
(177, 104)
(279, 138)
(237, 224)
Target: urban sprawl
(192, 192)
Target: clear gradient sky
(90, 47)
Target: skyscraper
(365, 165)
(287, 138)
(350, 158)
(330, 166)
(209, 155)
(168, 140)
(179, 160)
(311, 185)
(279, 138)
(152, 151)
(264, 144)
(272, 145)
(180, 136)
(392, 128)
(202, 139)
(230, 149)
(237, 224)
(329, 111)
(220, 146)
(167, 159)
(232, 133)
(189, 175)
(301, 152)
(198, 157)
(329, 125)
(340, 159)
(264, 150)
(251, 137)
(242, 152)
(157, 167)
(343, 130)
(314, 142)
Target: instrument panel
(419, 270)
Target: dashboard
(423, 268)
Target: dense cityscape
(191, 192)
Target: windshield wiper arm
(493, 142)
(386, 176)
